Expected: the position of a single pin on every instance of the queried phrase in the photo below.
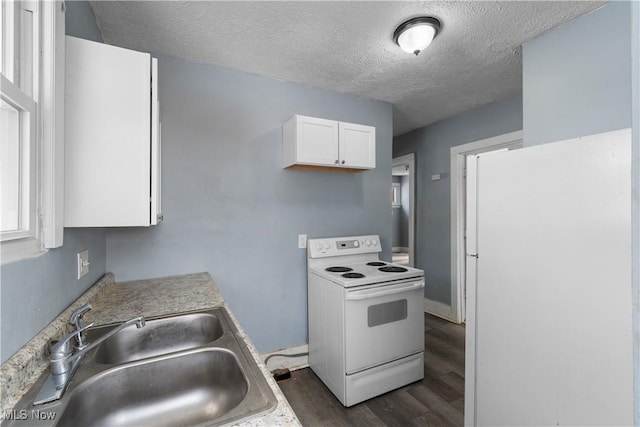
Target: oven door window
(380, 314)
(382, 324)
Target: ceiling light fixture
(414, 35)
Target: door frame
(410, 159)
(459, 155)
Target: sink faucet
(62, 356)
(64, 360)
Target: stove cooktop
(366, 273)
(354, 261)
(384, 267)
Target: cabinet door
(357, 146)
(108, 135)
(317, 141)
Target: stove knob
(375, 242)
(318, 246)
(356, 243)
(326, 246)
(368, 242)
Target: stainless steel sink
(187, 370)
(187, 389)
(159, 336)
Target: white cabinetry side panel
(107, 153)
(156, 154)
(326, 333)
(552, 324)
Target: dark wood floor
(437, 400)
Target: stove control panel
(319, 248)
(347, 244)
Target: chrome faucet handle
(63, 348)
(76, 321)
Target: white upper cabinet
(112, 145)
(309, 142)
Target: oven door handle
(361, 295)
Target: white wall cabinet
(313, 143)
(112, 146)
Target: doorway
(509, 141)
(403, 210)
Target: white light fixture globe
(414, 35)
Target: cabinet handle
(336, 162)
(343, 162)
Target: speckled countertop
(118, 302)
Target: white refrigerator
(549, 309)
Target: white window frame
(43, 125)
(27, 109)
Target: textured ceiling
(347, 47)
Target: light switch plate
(302, 241)
(83, 263)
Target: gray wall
(81, 21)
(35, 291)
(432, 146)
(229, 207)
(577, 78)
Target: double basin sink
(185, 370)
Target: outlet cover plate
(302, 241)
(83, 263)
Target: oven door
(383, 323)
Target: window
(395, 194)
(31, 102)
(17, 164)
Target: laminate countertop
(118, 302)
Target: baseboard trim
(291, 363)
(438, 309)
(402, 249)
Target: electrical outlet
(302, 241)
(83, 263)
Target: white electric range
(366, 318)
